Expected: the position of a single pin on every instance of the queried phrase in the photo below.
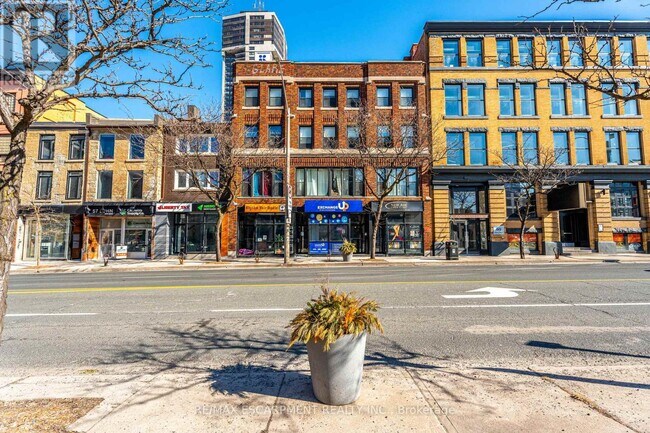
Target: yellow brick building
(493, 86)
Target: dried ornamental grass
(333, 315)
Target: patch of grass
(43, 415)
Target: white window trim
(177, 174)
(178, 140)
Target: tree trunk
(375, 231)
(217, 234)
(522, 248)
(10, 180)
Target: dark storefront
(194, 232)
(469, 218)
(261, 230)
(325, 224)
(400, 230)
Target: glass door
(108, 239)
(459, 234)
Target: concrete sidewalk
(394, 399)
(310, 261)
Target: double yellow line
(303, 284)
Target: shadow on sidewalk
(549, 345)
(555, 376)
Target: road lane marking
(305, 284)
(254, 310)
(506, 330)
(491, 292)
(49, 314)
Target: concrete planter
(347, 257)
(336, 374)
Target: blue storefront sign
(349, 206)
(319, 247)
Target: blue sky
(358, 30)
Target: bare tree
(212, 161)
(391, 153)
(93, 49)
(531, 175)
(594, 61)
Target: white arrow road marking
(492, 292)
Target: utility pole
(288, 204)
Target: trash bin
(451, 250)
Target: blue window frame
(453, 100)
(451, 53)
(529, 142)
(633, 142)
(475, 100)
(509, 148)
(106, 146)
(504, 55)
(583, 156)
(474, 52)
(477, 148)
(455, 148)
(561, 146)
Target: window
(252, 97)
(9, 99)
(352, 97)
(558, 99)
(612, 147)
(329, 98)
(43, 185)
(251, 135)
(275, 136)
(406, 98)
(46, 148)
(199, 179)
(353, 136)
(197, 144)
(561, 146)
(450, 53)
(626, 49)
(347, 182)
(306, 97)
(468, 200)
(330, 140)
(530, 153)
(582, 148)
(575, 53)
(477, 148)
(474, 52)
(507, 99)
(76, 148)
(554, 52)
(275, 97)
(106, 146)
(625, 200)
(455, 149)
(610, 108)
(604, 52)
(630, 107)
(135, 185)
(403, 181)
(74, 185)
(633, 142)
(453, 100)
(525, 52)
(509, 148)
(384, 138)
(104, 185)
(264, 183)
(407, 134)
(518, 197)
(305, 137)
(383, 97)
(136, 146)
(476, 100)
(527, 100)
(578, 99)
(503, 53)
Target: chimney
(193, 112)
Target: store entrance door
(108, 239)
(574, 228)
(468, 236)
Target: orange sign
(263, 208)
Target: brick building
(329, 200)
(497, 87)
(123, 184)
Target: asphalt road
(595, 314)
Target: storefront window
(404, 233)
(628, 242)
(468, 200)
(195, 233)
(625, 200)
(50, 239)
